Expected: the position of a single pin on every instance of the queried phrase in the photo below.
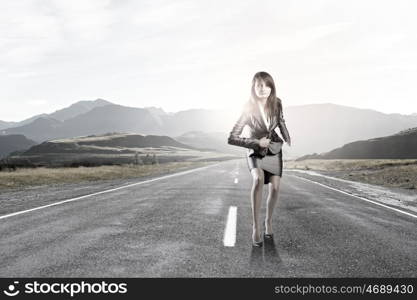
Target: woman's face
(261, 89)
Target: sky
(180, 55)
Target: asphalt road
(174, 227)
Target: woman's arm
(234, 136)
(283, 127)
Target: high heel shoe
(268, 236)
(257, 244)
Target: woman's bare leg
(256, 200)
(271, 201)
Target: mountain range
(314, 128)
(73, 110)
(402, 145)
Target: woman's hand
(264, 142)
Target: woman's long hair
(273, 104)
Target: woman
(263, 114)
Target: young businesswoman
(263, 114)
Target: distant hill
(14, 142)
(30, 120)
(109, 149)
(118, 118)
(323, 127)
(204, 120)
(60, 115)
(313, 128)
(208, 141)
(112, 118)
(99, 120)
(397, 146)
(40, 129)
(78, 108)
(157, 114)
(108, 143)
(4, 124)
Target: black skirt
(273, 167)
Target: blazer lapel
(259, 119)
(273, 123)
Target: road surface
(175, 227)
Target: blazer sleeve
(234, 136)
(283, 127)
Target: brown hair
(273, 103)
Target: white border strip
(359, 197)
(229, 239)
(105, 191)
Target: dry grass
(40, 176)
(386, 172)
(163, 155)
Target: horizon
(204, 54)
(196, 108)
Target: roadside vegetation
(400, 173)
(23, 177)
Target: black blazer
(253, 118)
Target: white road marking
(105, 191)
(359, 197)
(229, 239)
(236, 180)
